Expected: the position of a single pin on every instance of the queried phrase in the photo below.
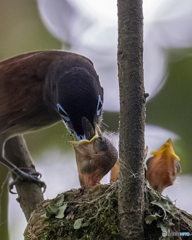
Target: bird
(94, 157)
(38, 89)
(162, 167)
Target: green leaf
(56, 208)
(61, 211)
(51, 210)
(58, 200)
(149, 219)
(162, 226)
(78, 223)
(166, 205)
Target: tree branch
(29, 195)
(132, 118)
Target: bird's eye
(99, 106)
(62, 112)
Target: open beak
(83, 141)
(79, 138)
(166, 149)
(89, 132)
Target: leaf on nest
(163, 227)
(50, 210)
(149, 219)
(55, 208)
(166, 205)
(58, 200)
(79, 223)
(61, 211)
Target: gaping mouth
(167, 149)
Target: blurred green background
(172, 107)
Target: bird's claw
(28, 177)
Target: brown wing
(21, 81)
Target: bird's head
(79, 97)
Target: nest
(92, 213)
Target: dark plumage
(40, 88)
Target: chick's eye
(62, 112)
(99, 106)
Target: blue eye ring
(99, 106)
(62, 112)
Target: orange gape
(163, 167)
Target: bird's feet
(28, 177)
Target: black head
(79, 95)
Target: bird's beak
(83, 141)
(166, 149)
(86, 141)
(88, 130)
(79, 138)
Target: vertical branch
(132, 118)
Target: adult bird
(39, 89)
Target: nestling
(163, 167)
(95, 158)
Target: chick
(94, 157)
(163, 167)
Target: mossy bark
(92, 213)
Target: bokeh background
(90, 28)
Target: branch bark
(29, 195)
(132, 118)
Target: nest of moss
(91, 213)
